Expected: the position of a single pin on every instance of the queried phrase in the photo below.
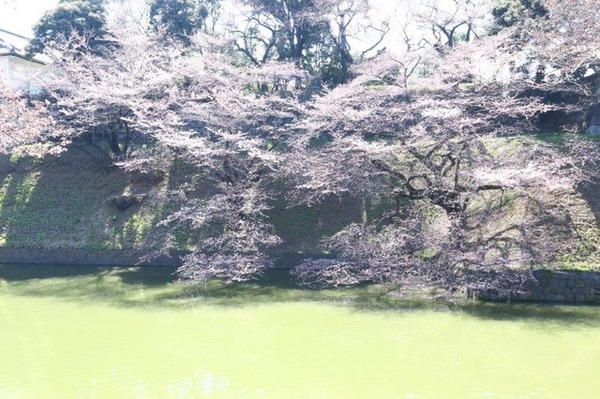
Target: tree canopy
(508, 13)
(315, 35)
(81, 19)
(458, 188)
(181, 18)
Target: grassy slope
(65, 202)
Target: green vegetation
(64, 201)
(302, 227)
(281, 139)
(69, 20)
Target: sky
(19, 16)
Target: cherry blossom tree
(24, 120)
(457, 191)
(449, 162)
(569, 38)
(197, 105)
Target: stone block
(562, 283)
(540, 297)
(570, 297)
(579, 298)
(548, 298)
(590, 298)
(593, 129)
(559, 298)
(561, 275)
(571, 283)
(524, 296)
(541, 274)
(534, 296)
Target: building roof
(12, 44)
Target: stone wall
(593, 116)
(84, 257)
(547, 286)
(552, 286)
(569, 287)
(593, 120)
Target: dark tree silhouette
(72, 18)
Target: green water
(129, 333)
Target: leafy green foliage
(181, 18)
(72, 19)
(63, 202)
(509, 13)
(298, 32)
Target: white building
(17, 71)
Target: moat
(132, 333)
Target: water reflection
(132, 332)
(156, 287)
